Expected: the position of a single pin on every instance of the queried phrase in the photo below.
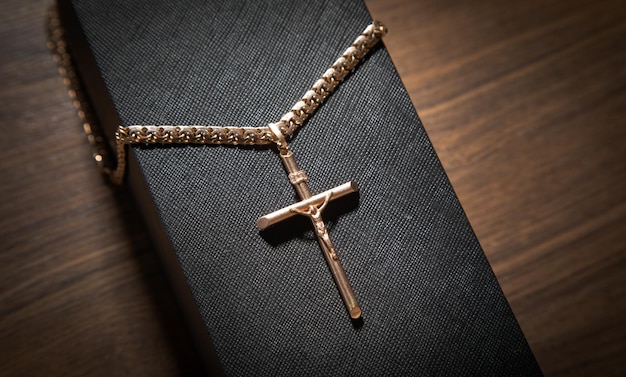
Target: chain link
(144, 134)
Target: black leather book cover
(264, 303)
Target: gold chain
(61, 56)
(141, 134)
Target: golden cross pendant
(312, 207)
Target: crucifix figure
(312, 206)
(276, 133)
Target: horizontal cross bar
(316, 200)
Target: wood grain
(525, 103)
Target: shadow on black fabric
(357, 323)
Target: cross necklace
(275, 133)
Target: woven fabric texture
(431, 304)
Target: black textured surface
(431, 304)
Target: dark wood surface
(525, 103)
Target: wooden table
(525, 103)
